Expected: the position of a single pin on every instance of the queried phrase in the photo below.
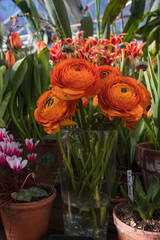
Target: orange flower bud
(15, 41)
(14, 19)
(9, 59)
(40, 46)
(150, 113)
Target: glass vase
(86, 174)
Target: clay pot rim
(148, 146)
(129, 228)
(52, 194)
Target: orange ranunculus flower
(15, 41)
(74, 79)
(123, 97)
(53, 113)
(107, 71)
(40, 46)
(9, 59)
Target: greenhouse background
(75, 10)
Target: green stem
(122, 63)
(97, 5)
(70, 169)
(140, 76)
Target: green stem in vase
(69, 166)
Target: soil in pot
(130, 217)
(131, 227)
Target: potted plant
(138, 219)
(147, 153)
(20, 195)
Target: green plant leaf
(87, 25)
(137, 8)
(58, 15)
(46, 160)
(17, 75)
(1, 86)
(153, 189)
(4, 104)
(38, 192)
(113, 8)
(27, 6)
(24, 195)
(127, 197)
(1, 34)
(2, 123)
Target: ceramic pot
(148, 159)
(126, 232)
(28, 221)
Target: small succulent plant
(144, 203)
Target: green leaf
(137, 8)
(127, 197)
(38, 192)
(1, 86)
(1, 34)
(27, 6)
(17, 75)
(153, 189)
(46, 160)
(138, 185)
(113, 8)
(58, 15)
(24, 195)
(4, 104)
(2, 123)
(87, 25)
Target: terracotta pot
(126, 232)
(148, 160)
(27, 221)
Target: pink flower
(2, 158)
(9, 148)
(31, 157)
(16, 163)
(30, 145)
(3, 133)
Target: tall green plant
(152, 80)
(58, 15)
(136, 17)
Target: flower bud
(40, 46)
(9, 59)
(122, 45)
(15, 41)
(67, 48)
(141, 65)
(3, 69)
(150, 114)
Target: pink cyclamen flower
(9, 148)
(31, 157)
(16, 163)
(3, 133)
(2, 158)
(30, 145)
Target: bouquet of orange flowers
(91, 97)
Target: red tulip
(40, 46)
(15, 41)
(9, 59)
